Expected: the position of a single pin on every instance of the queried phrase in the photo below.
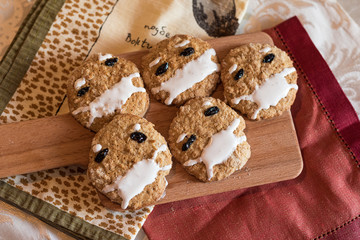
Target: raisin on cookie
(103, 86)
(180, 68)
(207, 138)
(259, 80)
(128, 162)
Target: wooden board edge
(301, 160)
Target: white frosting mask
(220, 147)
(111, 100)
(193, 72)
(137, 178)
(270, 92)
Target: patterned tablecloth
(69, 40)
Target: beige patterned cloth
(73, 34)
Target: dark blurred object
(217, 18)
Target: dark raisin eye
(101, 155)
(187, 51)
(138, 136)
(211, 111)
(188, 143)
(82, 91)
(162, 69)
(269, 58)
(111, 62)
(239, 74)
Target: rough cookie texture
(168, 59)
(248, 67)
(194, 128)
(94, 80)
(123, 152)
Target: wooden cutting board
(58, 141)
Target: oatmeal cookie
(259, 80)
(207, 138)
(180, 68)
(128, 162)
(103, 86)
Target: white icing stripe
(265, 50)
(181, 137)
(233, 68)
(156, 61)
(270, 92)
(183, 43)
(137, 178)
(193, 72)
(207, 103)
(79, 83)
(137, 127)
(111, 100)
(220, 147)
(96, 148)
(104, 57)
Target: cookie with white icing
(207, 137)
(180, 68)
(128, 162)
(103, 86)
(259, 80)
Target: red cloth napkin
(324, 201)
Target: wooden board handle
(41, 144)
